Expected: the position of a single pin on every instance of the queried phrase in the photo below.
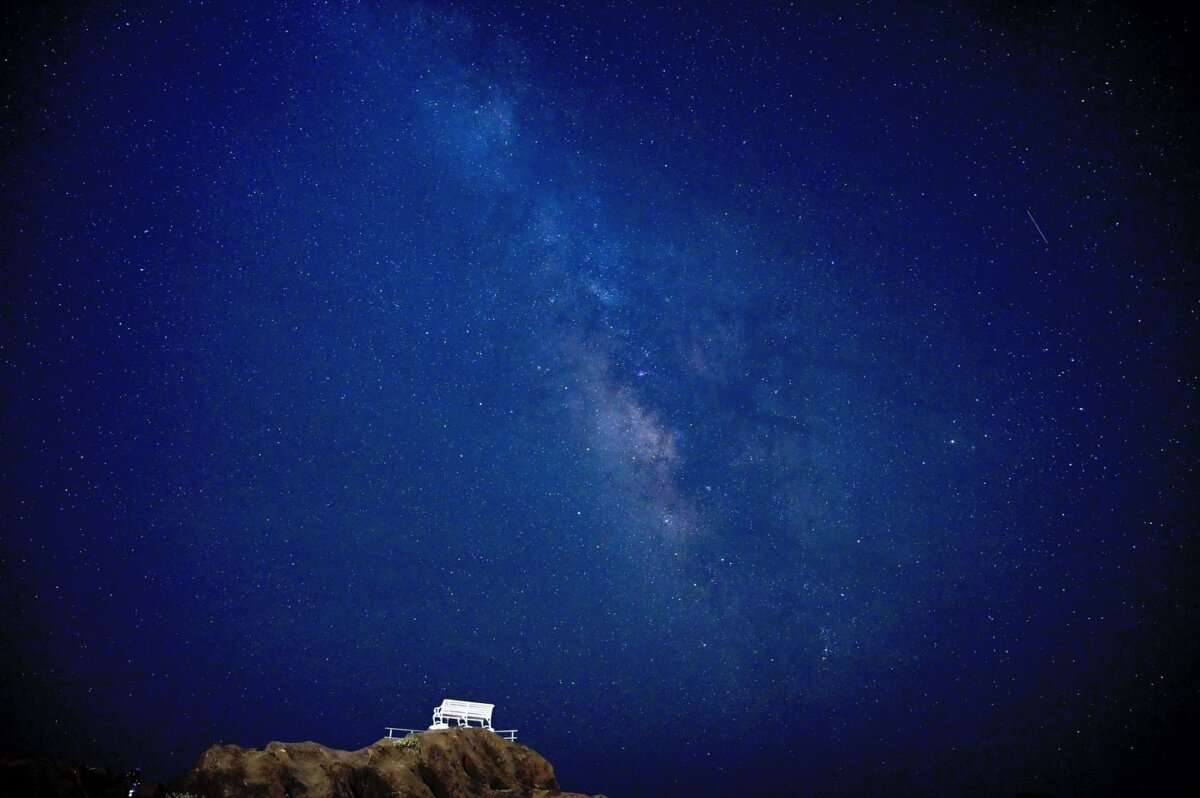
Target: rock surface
(455, 763)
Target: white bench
(469, 714)
(462, 713)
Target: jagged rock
(454, 763)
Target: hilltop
(453, 763)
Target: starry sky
(744, 399)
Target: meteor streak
(1038, 226)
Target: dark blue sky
(695, 384)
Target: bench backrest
(466, 710)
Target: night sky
(769, 400)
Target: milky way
(691, 383)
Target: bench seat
(462, 713)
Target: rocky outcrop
(454, 763)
